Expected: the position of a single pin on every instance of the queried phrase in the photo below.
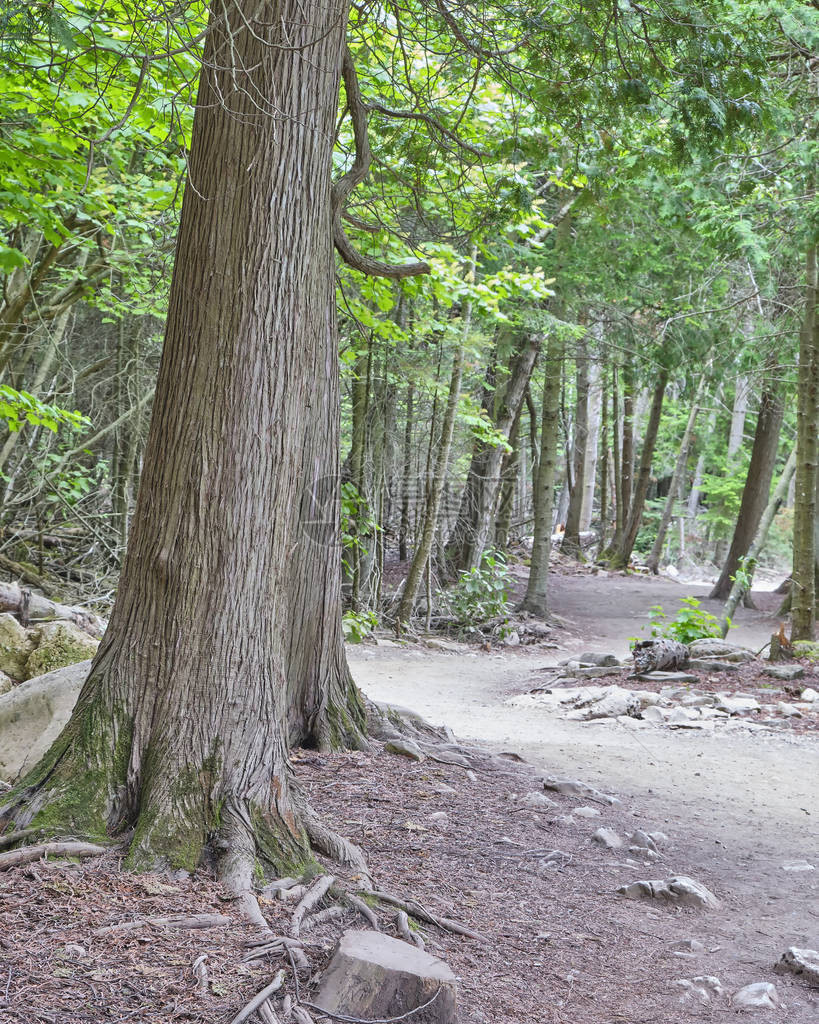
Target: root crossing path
(741, 807)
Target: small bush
(357, 625)
(481, 593)
(691, 622)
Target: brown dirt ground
(560, 946)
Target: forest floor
(739, 810)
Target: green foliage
(358, 522)
(19, 407)
(358, 625)
(692, 622)
(481, 593)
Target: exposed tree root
(420, 912)
(404, 930)
(261, 997)
(316, 891)
(27, 854)
(176, 921)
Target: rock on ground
(608, 838)
(373, 976)
(573, 787)
(762, 995)
(33, 715)
(60, 644)
(679, 889)
(405, 748)
(801, 961)
(15, 647)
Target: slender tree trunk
(757, 489)
(621, 557)
(571, 537)
(593, 447)
(180, 732)
(676, 481)
(803, 597)
(406, 477)
(509, 477)
(742, 586)
(536, 599)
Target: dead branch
(179, 922)
(28, 854)
(13, 838)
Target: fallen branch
(257, 1000)
(179, 922)
(13, 838)
(14, 858)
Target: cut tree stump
(375, 977)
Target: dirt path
(737, 807)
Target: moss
(64, 645)
(806, 649)
(282, 847)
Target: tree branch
(343, 188)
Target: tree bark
(757, 489)
(676, 481)
(180, 732)
(803, 596)
(571, 536)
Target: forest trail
(736, 806)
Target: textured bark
(571, 537)
(180, 732)
(803, 597)
(619, 557)
(676, 480)
(757, 489)
(740, 587)
(592, 444)
(406, 477)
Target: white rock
(652, 713)
(798, 865)
(608, 838)
(586, 812)
(809, 695)
(538, 800)
(801, 961)
(6, 683)
(439, 818)
(642, 840)
(443, 787)
(608, 702)
(701, 988)
(574, 787)
(682, 716)
(679, 889)
(762, 995)
(736, 705)
(404, 748)
(659, 837)
(788, 710)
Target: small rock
(573, 787)
(609, 702)
(601, 660)
(539, 800)
(701, 988)
(654, 714)
(798, 865)
(801, 961)
(565, 819)
(74, 949)
(711, 665)
(736, 705)
(512, 639)
(642, 840)
(710, 647)
(762, 995)
(682, 716)
(404, 748)
(809, 695)
(786, 672)
(690, 946)
(659, 837)
(679, 889)
(788, 710)
(681, 678)
(439, 818)
(586, 812)
(6, 683)
(443, 787)
(608, 838)
(375, 976)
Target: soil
(560, 944)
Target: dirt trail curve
(737, 806)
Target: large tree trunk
(757, 489)
(803, 597)
(180, 732)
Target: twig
(178, 921)
(257, 1000)
(28, 854)
(308, 901)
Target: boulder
(711, 647)
(60, 644)
(680, 890)
(801, 961)
(374, 977)
(609, 702)
(33, 714)
(762, 995)
(15, 647)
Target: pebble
(535, 799)
(608, 838)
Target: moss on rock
(15, 647)
(61, 644)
